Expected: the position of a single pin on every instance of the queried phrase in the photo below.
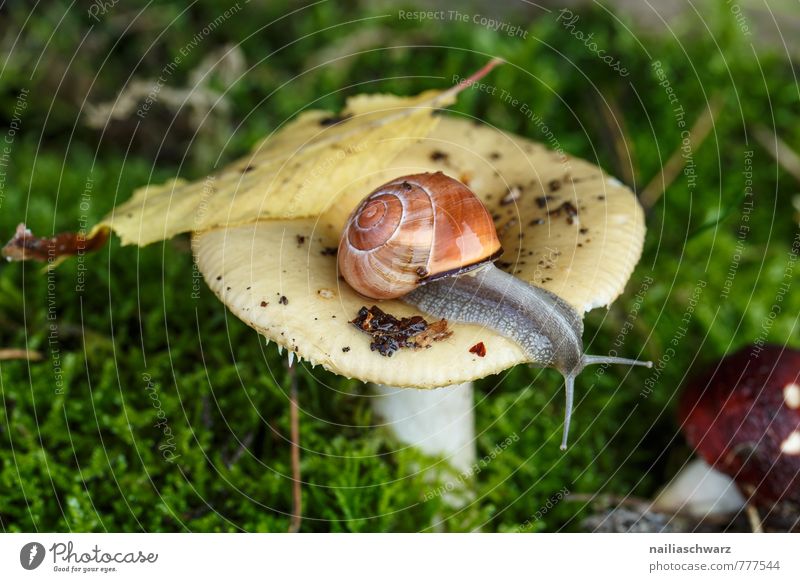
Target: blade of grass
(720, 218)
(778, 149)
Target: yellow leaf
(297, 172)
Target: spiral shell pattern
(412, 230)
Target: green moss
(84, 444)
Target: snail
(429, 240)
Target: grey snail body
(460, 285)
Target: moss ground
(82, 442)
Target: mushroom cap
(564, 225)
(743, 417)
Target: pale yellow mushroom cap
(564, 224)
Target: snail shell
(413, 230)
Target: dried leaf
(24, 246)
(297, 172)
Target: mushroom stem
(439, 422)
(545, 326)
(700, 490)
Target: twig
(778, 149)
(297, 498)
(471, 80)
(17, 354)
(697, 135)
(754, 518)
(616, 131)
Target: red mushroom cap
(743, 417)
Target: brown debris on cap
(479, 350)
(390, 334)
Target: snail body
(429, 240)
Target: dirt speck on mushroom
(478, 349)
(512, 196)
(333, 120)
(567, 208)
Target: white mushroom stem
(700, 490)
(440, 423)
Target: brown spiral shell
(412, 230)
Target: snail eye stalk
(569, 385)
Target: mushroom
(742, 416)
(564, 226)
(700, 491)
